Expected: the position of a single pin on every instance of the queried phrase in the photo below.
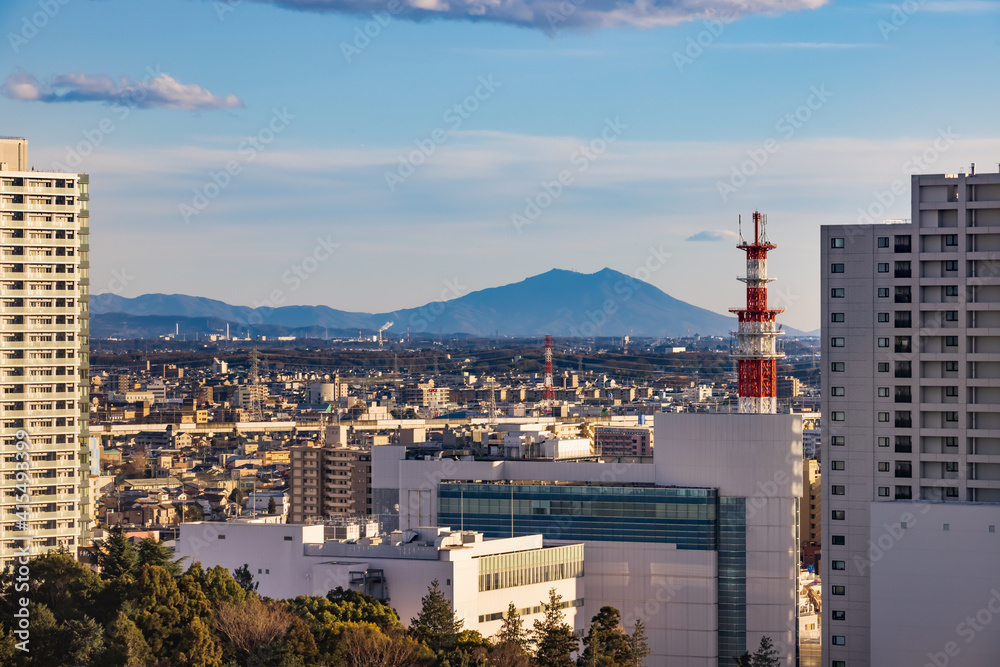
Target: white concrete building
(701, 545)
(911, 412)
(44, 283)
(480, 576)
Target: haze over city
(232, 141)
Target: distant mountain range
(560, 303)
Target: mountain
(560, 303)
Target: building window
(951, 442)
(836, 268)
(839, 565)
(883, 466)
(837, 416)
(837, 489)
(883, 292)
(839, 590)
(951, 416)
(836, 342)
(838, 441)
(903, 319)
(903, 294)
(883, 367)
(883, 267)
(883, 416)
(836, 242)
(951, 265)
(883, 242)
(839, 616)
(288, 538)
(839, 640)
(838, 515)
(837, 366)
(951, 466)
(903, 243)
(951, 366)
(837, 317)
(951, 391)
(904, 493)
(222, 537)
(904, 444)
(951, 290)
(883, 392)
(883, 317)
(838, 540)
(951, 341)
(837, 293)
(883, 342)
(904, 344)
(837, 391)
(951, 316)
(904, 469)
(837, 465)
(951, 239)
(883, 441)
(883, 491)
(951, 492)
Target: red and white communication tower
(550, 392)
(757, 337)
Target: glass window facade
(530, 567)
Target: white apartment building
(44, 283)
(911, 434)
(480, 576)
(701, 545)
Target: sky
(372, 156)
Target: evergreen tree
(159, 609)
(236, 496)
(197, 647)
(244, 578)
(272, 508)
(553, 637)
(298, 648)
(117, 556)
(512, 630)
(638, 645)
(155, 552)
(84, 641)
(436, 624)
(606, 643)
(765, 655)
(217, 584)
(126, 647)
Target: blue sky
(263, 153)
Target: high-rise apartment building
(911, 441)
(44, 285)
(329, 481)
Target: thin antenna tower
(256, 414)
(492, 405)
(550, 393)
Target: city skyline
(658, 130)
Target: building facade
(329, 481)
(701, 545)
(911, 410)
(44, 286)
(623, 441)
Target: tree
(436, 624)
(271, 507)
(193, 513)
(117, 556)
(764, 656)
(364, 645)
(638, 645)
(512, 630)
(236, 495)
(298, 648)
(244, 578)
(606, 643)
(253, 629)
(159, 608)
(553, 637)
(155, 552)
(125, 645)
(217, 584)
(197, 648)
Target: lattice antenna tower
(756, 350)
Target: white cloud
(714, 235)
(553, 15)
(155, 90)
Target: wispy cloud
(713, 236)
(156, 90)
(962, 7)
(553, 15)
(797, 45)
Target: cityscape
(577, 372)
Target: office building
(701, 544)
(44, 283)
(911, 435)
